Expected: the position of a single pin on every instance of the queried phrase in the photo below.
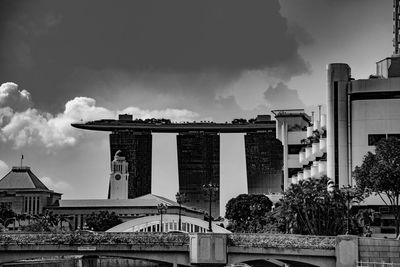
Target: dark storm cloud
(282, 97)
(48, 40)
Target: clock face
(117, 177)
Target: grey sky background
(63, 61)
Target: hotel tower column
(337, 137)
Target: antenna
(396, 25)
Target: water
(84, 262)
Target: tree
(248, 213)
(308, 208)
(380, 174)
(46, 222)
(6, 216)
(102, 221)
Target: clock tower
(119, 177)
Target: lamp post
(349, 195)
(210, 189)
(180, 198)
(162, 207)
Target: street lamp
(162, 207)
(350, 194)
(180, 198)
(210, 189)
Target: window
(394, 135)
(375, 138)
(294, 149)
(6, 205)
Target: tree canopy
(102, 221)
(6, 215)
(248, 213)
(380, 174)
(308, 208)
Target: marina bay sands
(198, 147)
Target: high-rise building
(264, 155)
(198, 165)
(291, 130)
(137, 149)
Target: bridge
(184, 249)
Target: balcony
(302, 158)
(300, 176)
(316, 150)
(323, 121)
(314, 170)
(309, 154)
(306, 173)
(322, 145)
(310, 130)
(317, 126)
(322, 167)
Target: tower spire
(396, 26)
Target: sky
(66, 61)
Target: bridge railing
(282, 241)
(73, 238)
(168, 239)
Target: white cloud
(12, 97)
(4, 169)
(32, 126)
(57, 186)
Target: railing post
(346, 250)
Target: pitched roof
(21, 178)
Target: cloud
(189, 42)
(12, 97)
(31, 126)
(57, 186)
(281, 97)
(4, 169)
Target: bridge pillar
(208, 248)
(346, 250)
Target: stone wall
(379, 250)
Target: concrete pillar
(337, 134)
(285, 155)
(346, 250)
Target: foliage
(281, 241)
(308, 208)
(102, 221)
(380, 174)
(5, 215)
(166, 239)
(46, 222)
(248, 213)
(93, 238)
